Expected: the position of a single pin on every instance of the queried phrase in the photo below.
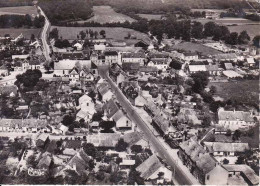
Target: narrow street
(180, 177)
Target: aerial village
(89, 115)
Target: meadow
(118, 33)
(252, 30)
(246, 91)
(106, 14)
(194, 47)
(151, 16)
(20, 10)
(14, 32)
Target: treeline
(60, 11)
(18, 21)
(13, 3)
(240, 13)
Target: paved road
(180, 176)
(44, 37)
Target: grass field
(151, 16)
(21, 10)
(246, 91)
(194, 47)
(16, 32)
(106, 14)
(252, 30)
(111, 32)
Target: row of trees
(17, 21)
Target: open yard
(118, 33)
(14, 32)
(246, 91)
(151, 16)
(20, 10)
(194, 47)
(106, 14)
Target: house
(105, 92)
(151, 167)
(78, 163)
(226, 57)
(104, 140)
(23, 57)
(228, 66)
(249, 176)
(131, 67)
(140, 101)
(85, 99)
(22, 125)
(133, 58)
(234, 120)
(110, 108)
(142, 44)
(231, 74)
(226, 149)
(188, 116)
(122, 121)
(72, 144)
(201, 164)
(31, 64)
(64, 67)
(250, 61)
(111, 57)
(197, 68)
(161, 124)
(62, 129)
(160, 64)
(126, 164)
(45, 161)
(213, 70)
(42, 139)
(4, 71)
(99, 47)
(9, 90)
(87, 105)
(85, 115)
(189, 56)
(78, 46)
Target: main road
(180, 177)
(44, 36)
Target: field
(21, 10)
(118, 33)
(194, 47)
(106, 14)
(16, 32)
(245, 91)
(151, 16)
(252, 30)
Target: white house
(122, 121)
(111, 57)
(133, 58)
(197, 68)
(234, 120)
(78, 46)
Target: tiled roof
(149, 167)
(29, 123)
(80, 161)
(197, 68)
(227, 147)
(8, 89)
(162, 122)
(248, 172)
(133, 55)
(148, 69)
(132, 138)
(234, 116)
(203, 160)
(103, 88)
(111, 108)
(228, 66)
(70, 64)
(73, 56)
(73, 144)
(212, 67)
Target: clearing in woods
(106, 14)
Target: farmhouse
(201, 164)
(122, 121)
(133, 58)
(111, 57)
(226, 149)
(234, 120)
(249, 176)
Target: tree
(54, 33)
(121, 145)
(197, 30)
(107, 126)
(28, 79)
(201, 80)
(97, 116)
(236, 135)
(232, 39)
(228, 133)
(89, 149)
(209, 29)
(135, 177)
(102, 33)
(32, 37)
(225, 161)
(95, 34)
(68, 120)
(240, 160)
(206, 121)
(243, 37)
(256, 41)
(136, 149)
(213, 89)
(175, 65)
(82, 35)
